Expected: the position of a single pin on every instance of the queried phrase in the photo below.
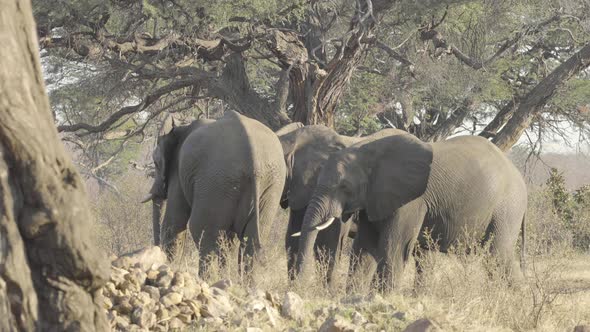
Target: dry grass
(457, 290)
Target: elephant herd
(391, 192)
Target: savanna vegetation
(116, 72)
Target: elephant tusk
(147, 198)
(298, 234)
(325, 225)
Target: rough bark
(50, 270)
(534, 101)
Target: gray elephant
(223, 176)
(464, 188)
(306, 149)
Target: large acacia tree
(493, 68)
(50, 269)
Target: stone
(178, 280)
(144, 318)
(422, 325)
(118, 275)
(358, 318)
(217, 304)
(144, 258)
(195, 306)
(121, 322)
(171, 299)
(162, 314)
(164, 280)
(151, 276)
(223, 284)
(185, 318)
(142, 299)
(123, 306)
(337, 323)
(253, 329)
(175, 323)
(153, 292)
(137, 276)
(582, 328)
(292, 306)
(399, 315)
(107, 303)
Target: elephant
(459, 189)
(306, 149)
(218, 177)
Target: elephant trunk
(158, 205)
(320, 213)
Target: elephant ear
(400, 174)
(163, 155)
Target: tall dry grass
(461, 292)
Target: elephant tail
(523, 246)
(249, 212)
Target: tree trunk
(533, 103)
(50, 270)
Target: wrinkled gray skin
(464, 188)
(306, 149)
(223, 176)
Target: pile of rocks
(145, 294)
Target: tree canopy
(494, 68)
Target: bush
(123, 224)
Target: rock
(399, 315)
(216, 304)
(357, 318)
(118, 275)
(185, 318)
(253, 329)
(171, 299)
(256, 305)
(142, 299)
(191, 286)
(195, 306)
(164, 280)
(178, 280)
(107, 303)
(151, 276)
(143, 318)
(153, 292)
(292, 306)
(337, 324)
(162, 314)
(175, 323)
(137, 276)
(223, 284)
(123, 306)
(109, 289)
(422, 325)
(582, 328)
(144, 259)
(121, 322)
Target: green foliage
(573, 210)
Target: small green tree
(562, 200)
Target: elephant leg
(397, 238)
(363, 261)
(328, 247)
(504, 232)
(292, 243)
(260, 221)
(173, 229)
(211, 217)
